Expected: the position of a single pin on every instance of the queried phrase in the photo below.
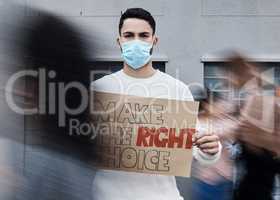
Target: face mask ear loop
(120, 45)
(152, 49)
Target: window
(217, 74)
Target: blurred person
(137, 39)
(215, 181)
(57, 51)
(54, 163)
(257, 132)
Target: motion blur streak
(38, 158)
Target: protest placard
(140, 134)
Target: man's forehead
(135, 25)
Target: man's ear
(156, 40)
(119, 43)
(154, 44)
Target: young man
(138, 77)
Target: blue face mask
(136, 53)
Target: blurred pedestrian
(215, 181)
(257, 132)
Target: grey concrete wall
(187, 29)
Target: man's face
(137, 29)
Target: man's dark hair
(138, 13)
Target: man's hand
(207, 143)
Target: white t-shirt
(119, 185)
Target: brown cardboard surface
(139, 134)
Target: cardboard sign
(148, 135)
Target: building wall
(188, 30)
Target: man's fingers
(209, 145)
(200, 135)
(207, 138)
(211, 151)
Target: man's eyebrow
(144, 33)
(128, 32)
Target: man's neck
(144, 72)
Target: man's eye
(145, 36)
(128, 36)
